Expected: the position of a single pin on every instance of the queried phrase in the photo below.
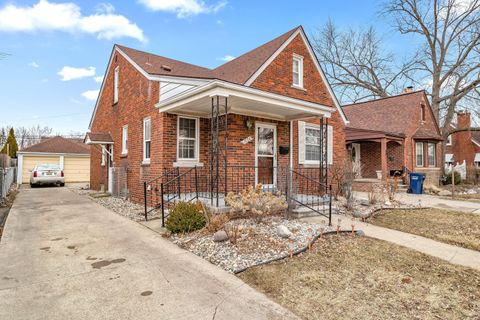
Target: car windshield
(48, 167)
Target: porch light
(249, 123)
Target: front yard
(456, 228)
(363, 278)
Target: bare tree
(451, 33)
(357, 66)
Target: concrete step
(303, 212)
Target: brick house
(397, 133)
(241, 123)
(464, 146)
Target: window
(298, 71)
(449, 140)
(312, 144)
(476, 160)
(431, 155)
(115, 85)
(419, 154)
(104, 155)
(125, 139)
(146, 139)
(423, 112)
(187, 137)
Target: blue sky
(58, 50)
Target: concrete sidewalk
(426, 200)
(452, 254)
(63, 256)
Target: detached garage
(70, 154)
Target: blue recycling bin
(416, 182)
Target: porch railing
(301, 187)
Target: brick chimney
(463, 119)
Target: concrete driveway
(63, 256)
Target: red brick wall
(278, 76)
(137, 97)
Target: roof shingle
(59, 145)
(238, 70)
(391, 114)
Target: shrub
(448, 178)
(256, 203)
(186, 217)
(217, 222)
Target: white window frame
(434, 154)
(417, 153)
(104, 156)
(125, 139)
(115, 84)
(449, 140)
(299, 59)
(197, 140)
(314, 127)
(145, 159)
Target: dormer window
(297, 71)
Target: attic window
(423, 112)
(166, 68)
(297, 80)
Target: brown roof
(238, 70)
(59, 145)
(389, 114)
(99, 137)
(425, 134)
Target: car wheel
(32, 185)
(62, 184)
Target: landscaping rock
(471, 191)
(220, 236)
(283, 231)
(444, 193)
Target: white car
(47, 174)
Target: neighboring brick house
(155, 114)
(464, 146)
(397, 133)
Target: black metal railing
(300, 187)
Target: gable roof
(241, 70)
(58, 145)
(389, 114)
(238, 70)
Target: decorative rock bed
(257, 242)
(121, 206)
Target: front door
(266, 154)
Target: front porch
(230, 137)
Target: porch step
(303, 212)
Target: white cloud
(67, 17)
(227, 58)
(91, 94)
(98, 79)
(33, 64)
(183, 8)
(71, 73)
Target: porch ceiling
(242, 100)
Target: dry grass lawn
(457, 228)
(364, 278)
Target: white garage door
(30, 161)
(76, 169)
